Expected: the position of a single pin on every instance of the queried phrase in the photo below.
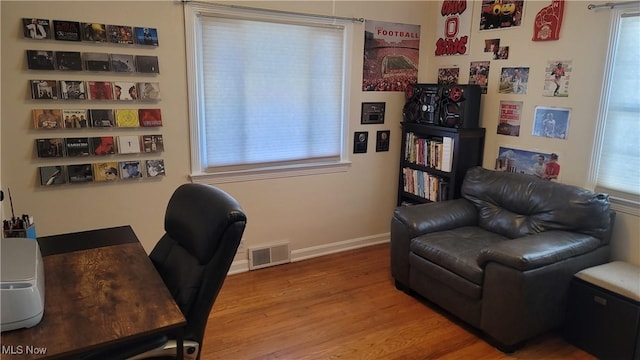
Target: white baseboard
(239, 266)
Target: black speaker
(422, 104)
(443, 105)
(459, 106)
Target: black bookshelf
(423, 174)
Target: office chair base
(169, 349)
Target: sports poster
(557, 74)
(509, 119)
(479, 74)
(391, 56)
(501, 14)
(454, 27)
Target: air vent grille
(261, 257)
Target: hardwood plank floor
(344, 306)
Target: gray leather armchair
(501, 257)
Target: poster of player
(552, 122)
(454, 28)
(557, 74)
(391, 56)
(448, 76)
(514, 80)
(479, 74)
(509, 119)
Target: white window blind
(618, 170)
(272, 92)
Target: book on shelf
(80, 173)
(68, 60)
(130, 169)
(77, 146)
(101, 117)
(146, 36)
(52, 175)
(103, 145)
(96, 61)
(447, 154)
(94, 32)
(37, 29)
(122, 63)
(424, 185)
(100, 90)
(48, 148)
(149, 90)
(128, 144)
(40, 60)
(152, 143)
(73, 90)
(105, 171)
(150, 117)
(125, 90)
(47, 119)
(120, 34)
(44, 89)
(127, 118)
(66, 30)
(155, 168)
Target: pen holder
(29, 232)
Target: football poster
(391, 56)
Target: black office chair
(204, 226)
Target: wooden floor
(344, 306)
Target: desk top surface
(95, 296)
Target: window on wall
(617, 163)
(267, 93)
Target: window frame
(193, 38)
(620, 201)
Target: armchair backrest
(515, 205)
(204, 226)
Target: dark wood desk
(101, 289)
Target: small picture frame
(360, 139)
(372, 113)
(382, 140)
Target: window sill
(269, 173)
(625, 206)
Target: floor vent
(261, 257)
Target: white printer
(21, 283)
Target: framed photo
(551, 122)
(360, 139)
(501, 15)
(373, 113)
(382, 140)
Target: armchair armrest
(409, 222)
(436, 216)
(534, 251)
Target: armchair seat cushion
(457, 250)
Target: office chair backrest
(204, 226)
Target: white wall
(308, 211)
(312, 212)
